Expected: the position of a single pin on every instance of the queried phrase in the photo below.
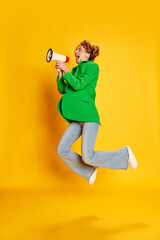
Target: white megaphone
(53, 56)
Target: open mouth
(77, 57)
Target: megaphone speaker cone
(49, 55)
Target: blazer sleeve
(61, 84)
(84, 79)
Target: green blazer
(78, 89)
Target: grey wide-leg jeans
(84, 165)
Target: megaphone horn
(53, 56)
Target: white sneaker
(93, 176)
(132, 162)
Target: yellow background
(128, 100)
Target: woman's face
(81, 54)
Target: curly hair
(93, 50)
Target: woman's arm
(60, 82)
(83, 79)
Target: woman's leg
(108, 159)
(70, 158)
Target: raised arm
(84, 79)
(61, 84)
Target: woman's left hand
(62, 66)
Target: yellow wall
(127, 91)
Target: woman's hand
(60, 73)
(62, 66)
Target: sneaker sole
(132, 162)
(93, 176)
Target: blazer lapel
(77, 69)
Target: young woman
(77, 107)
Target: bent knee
(61, 151)
(86, 159)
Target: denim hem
(127, 158)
